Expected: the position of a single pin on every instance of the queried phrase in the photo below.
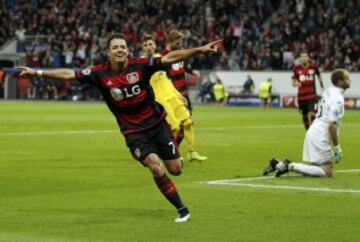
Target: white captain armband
(39, 73)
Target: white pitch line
(237, 182)
(70, 132)
(268, 177)
(347, 171)
(262, 126)
(59, 132)
(240, 179)
(316, 189)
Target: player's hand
(298, 84)
(338, 154)
(212, 47)
(26, 71)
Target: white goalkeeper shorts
(317, 145)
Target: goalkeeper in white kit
(321, 144)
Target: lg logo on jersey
(127, 92)
(306, 78)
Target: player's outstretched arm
(179, 55)
(63, 74)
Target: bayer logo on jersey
(86, 72)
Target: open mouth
(120, 56)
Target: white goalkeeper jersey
(317, 143)
(331, 107)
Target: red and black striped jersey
(128, 94)
(306, 76)
(176, 73)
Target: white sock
(307, 170)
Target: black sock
(168, 189)
(183, 211)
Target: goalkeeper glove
(338, 153)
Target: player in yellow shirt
(175, 105)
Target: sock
(307, 170)
(306, 122)
(189, 138)
(168, 189)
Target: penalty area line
(240, 182)
(315, 189)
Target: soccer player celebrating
(321, 134)
(124, 85)
(304, 78)
(176, 72)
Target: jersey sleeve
(154, 64)
(87, 76)
(316, 69)
(295, 75)
(336, 110)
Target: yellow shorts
(177, 112)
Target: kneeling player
(322, 133)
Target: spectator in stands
(249, 86)
(2, 81)
(206, 90)
(51, 89)
(261, 35)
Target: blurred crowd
(258, 35)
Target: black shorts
(158, 140)
(307, 106)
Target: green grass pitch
(66, 175)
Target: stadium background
(260, 35)
(66, 175)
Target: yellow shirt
(163, 87)
(264, 90)
(219, 91)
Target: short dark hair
(147, 37)
(114, 36)
(338, 75)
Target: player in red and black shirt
(124, 84)
(304, 76)
(176, 71)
